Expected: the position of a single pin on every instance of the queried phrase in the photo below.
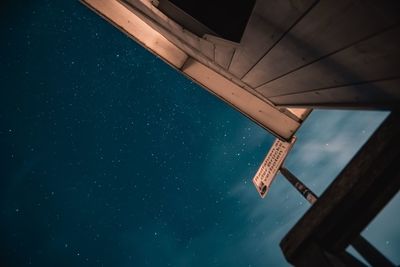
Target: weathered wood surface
(374, 95)
(268, 23)
(329, 27)
(376, 58)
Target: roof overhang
(158, 39)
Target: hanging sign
(270, 166)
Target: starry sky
(109, 157)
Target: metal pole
(360, 244)
(302, 188)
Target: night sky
(110, 157)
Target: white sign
(271, 165)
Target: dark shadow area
(227, 18)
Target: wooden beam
(353, 199)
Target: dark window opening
(225, 18)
